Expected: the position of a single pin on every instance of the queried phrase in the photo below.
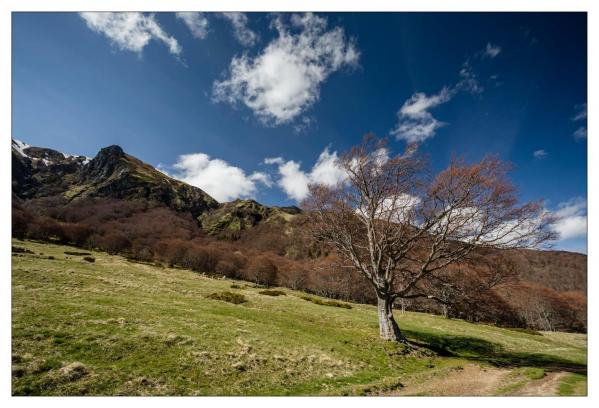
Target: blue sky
(209, 97)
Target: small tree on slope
(402, 231)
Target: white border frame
(8, 6)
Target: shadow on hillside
(475, 349)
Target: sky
(258, 105)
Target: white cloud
(221, 180)
(580, 133)
(581, 112)
(196, 22)
(492, 50)
(241, 31)
(415, 122)
(469, 81)
(274, 160)
(539, 154)
(285, 78)
(571, 219)
(130, 31)
(294, 181)
(399, 208)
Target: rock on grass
(73, 371)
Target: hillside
(119, 327)
(117, 203)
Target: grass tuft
(229, 297)
(271, 292)
(326, 302)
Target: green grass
(115, 327)
(573, 384)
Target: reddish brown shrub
(261, 270)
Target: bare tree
(402, 229)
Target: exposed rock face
(241, 215)
(41, 172)
(104, 164)
(113, 173)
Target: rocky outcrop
(241, 215)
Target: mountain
(41, 172)
(119, 204)
(112, 173)
(239, 215)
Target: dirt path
(474, 380)
(470, 381)
(545, 386)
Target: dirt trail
(548, 385)
(470, 381)
(474, 380)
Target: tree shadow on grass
(476, 349)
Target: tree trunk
(388, 327)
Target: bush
(270, 292)
(115, 243)
(89, 259)
(45, 229)
(75, 253)
(229, 297)
(199, 259)
(76, 234)
(323, 302)
(20, 222)
(226, 268)
(262, 270)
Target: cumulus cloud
(539, 154)
(130, 31)
(294, 181)
(571, 219)
(218, 178)
(491, 50)
(415, 122)
(196, 22)
(284, 79)
(242, 33)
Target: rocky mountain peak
(104, 164)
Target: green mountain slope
(117, 327)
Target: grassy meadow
(115, 327)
